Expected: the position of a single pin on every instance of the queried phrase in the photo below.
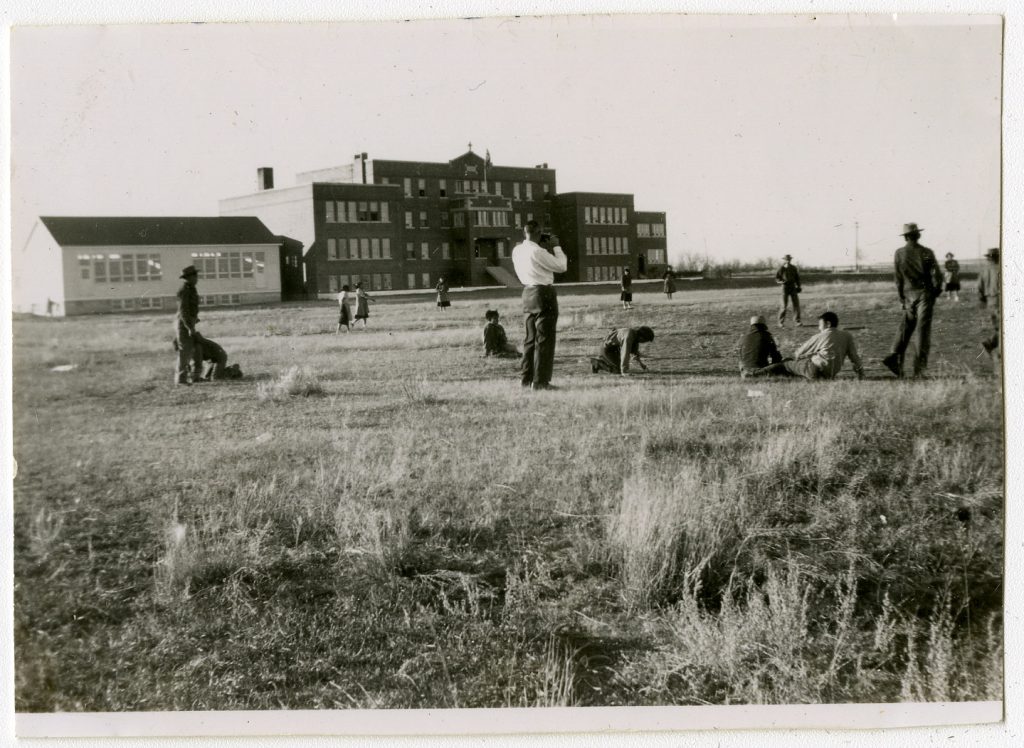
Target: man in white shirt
(536, 267)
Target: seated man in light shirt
(535, 266)
(822, 356)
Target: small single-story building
(90, 265)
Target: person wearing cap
(619, 347)
(918, 283)
(952, 268)
(822, 356)
(495, 341)
(757, 348)
(988, 297)
(185, 327)
(535, 266)
(789, 277)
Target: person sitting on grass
(619, 346)
(495, 341)
(822, 356)
(757, 348)
(216, 361)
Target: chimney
(264, 178)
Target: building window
(657, 229)
(122, 305)
(497, 189)
(529, 217)
(625, 244)
(424, 251)
(410, 251)
(656, 256)
(329, 205)
(375, 248)
(426, 280)
(385, 248)
(408, 219)
(332, 283)
(590, 273)
(85, 266)
(364, 248)
(446, 251)
(386, 281)
(151, 302)
(501, 249)
(410, 280)
(442, 187)
(529, 190)
(353, 249)
(423, 220)
(547, 190)
(483, 218)
(407, 182)
(332, 249)
(590, 245)
(422, 188)
(586, 214)
(460, 220)
(446, 219)
(518, 220)
(643, 229)
(515, 190)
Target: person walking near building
(670, 283)
(952, 268)
(988, 297)
(619, 347)
(363, 300)
(918, 283)
(535, 267)
(757, 348)
(495, 341)
(344, 311)
(789, 277)
(626, 289)
(185, 327)
(822, 356)
(443, 302)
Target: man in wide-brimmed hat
(789, 277)
(988, 295)
(185, 327)
(918, 283)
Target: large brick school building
(405, 224)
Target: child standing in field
(443, 302)
(344, 312)
(495, 341)
(670, 283)
(626, 289)
(362, 304)
(952, 268)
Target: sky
(757, 136)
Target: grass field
(395, 523)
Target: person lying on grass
(822, 356)
(619, 347)
(495, 340)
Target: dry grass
(395, 523)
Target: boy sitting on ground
(495, 341)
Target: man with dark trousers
(535, 265)
(185, 327)
(988, 297)
(789, 277)
(918, 283)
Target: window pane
(364, 248)
(375, 248)
(384, 208)
(386, 248)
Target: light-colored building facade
(91, 265)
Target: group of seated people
(820, 357)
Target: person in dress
(443, 302)
(619, 347)
(495, 340)
(952, 268)
(670, 283)
(363, 300)
(344, 311)
(626, 289)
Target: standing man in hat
(918, 283)
(789, 277)
(988, 295)
(536, 266)
(185, 327)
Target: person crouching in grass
(619, 347)
(495, 341)
(822, 356)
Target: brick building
(405, 224)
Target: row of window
(120, 267)
(656, 256)
(442, 252)
(370, 281)
(650, 229)
(603, 272)
(362, 248)
(351, 211)
(607, 245)
(520, 190)
(605, 214)
(221, 265)
(129, 305)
